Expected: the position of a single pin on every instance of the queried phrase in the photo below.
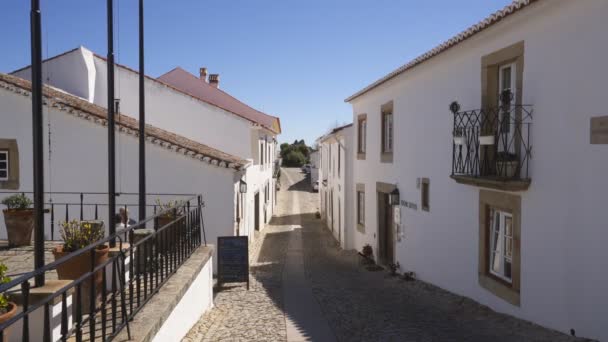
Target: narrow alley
(304, 287)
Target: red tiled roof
(86, 110)
(200, 89)
(494, 18)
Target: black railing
(136, 271)
(64, 206)
(492, 143)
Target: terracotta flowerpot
(19, 226)
(11, 311)
(78, 266)
(164, 220)
(507, 169)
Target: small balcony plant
(7, 309)
(77, 235)
(170, 211)
(507, 164)
(19, 220)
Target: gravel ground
(359, 305)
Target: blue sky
(292, 58)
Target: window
(4, 160)
(361, 136)
(506, 82)
(501, 244)
(9, 164)
(339, 154)
(261, 153)
(361, 208)
(424, 189)
(387, 132)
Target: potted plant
(7, 309)
(507, 164)
(77, 235)
(170, 211)
(367, 251)
(19, 220)
(393, 267)
(458, 136)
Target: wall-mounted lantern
(242, 187)
(393, 197)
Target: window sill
(386, 157)
(9, 185)
(494, 183)
(499, 289)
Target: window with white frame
(361, 207)
(4, 165)
(362, 135)
(501, 244)
(387, 132)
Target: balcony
(491, 147)
(102, 302)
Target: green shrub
(3, 280)
(17, 202)
(79, 234)
(172, 208)
(294, 159)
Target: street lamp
(242, 187)
(394, 197)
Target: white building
(335, 178)
(193, 108)
(76, 160)
(315, 163)
(548, 212)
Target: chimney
(203, 73)
(214, 80)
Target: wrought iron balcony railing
(62, 206)
(493, 144)
(135, 273)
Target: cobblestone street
(356, 304)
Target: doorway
(257, 211)
(331, 209)
(386, 237)
(339, 222)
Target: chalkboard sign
(233, 259)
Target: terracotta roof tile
(92, 112)
(494, 18)
(200, 89)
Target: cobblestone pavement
(19, 260)
(358, 304)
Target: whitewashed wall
(79, 163)
(197, 300)
(563, 225)
(337, 221)
(171, 110)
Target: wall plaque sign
(599, 130)
(232, 259)
(410, 205)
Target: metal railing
(151, 262)
(61, 206)
(494, 142)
